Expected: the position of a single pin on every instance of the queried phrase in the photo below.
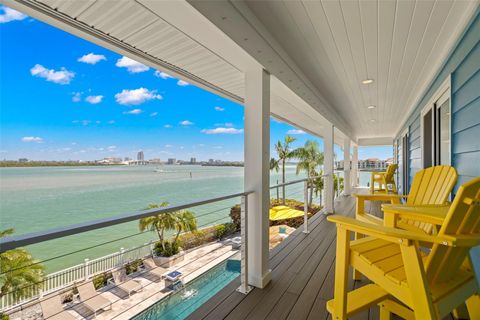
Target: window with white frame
(435, 128)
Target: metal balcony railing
(66, 279)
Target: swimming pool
(182, 303)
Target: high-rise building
(193, 160)
(140, 156)
(171, 161)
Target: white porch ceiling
(336, 44)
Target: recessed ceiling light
(367, 81)
(372, 120)
(371, 107)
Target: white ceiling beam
(377, 141)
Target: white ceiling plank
(369, 20)
(403, 18)
(437, 18)
(386, 23)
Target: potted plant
(167, 253)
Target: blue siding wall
(463, 65)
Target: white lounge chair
(152, 268)
(52, 309)
(124, 283)
(91, 299)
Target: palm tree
(310, 157)
(284, 153)
(19, 272)
(184, 221)
(158, 223)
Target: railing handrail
(288, 183)
(9, 243)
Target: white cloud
(295, 131)
(221, 130)
(219, 109)
(77, 96)
(136, 96)
(10, 15)
(153, 114)
(111, 122)
(134, 111)
(98, 122)
(168, 146)
(217, 147)
(63, 76)
(131, 65)
(94, 99)
(182, 83)
(228, 124)
(32, 139)
(168, 126)
(186, 123)
(162, 74)
(92, 58)
(82, 122)
(111, 148)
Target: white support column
(257, 173)
(347, 190)
(355, 167)
(328, 168)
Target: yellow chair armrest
(379, 197)
(390, 234)
(463, 240)
(434, 214)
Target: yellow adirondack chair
(425, 286)
(384, 179)
(430, 186)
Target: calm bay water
(36, 199)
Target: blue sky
(65, 98)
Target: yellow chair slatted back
(463, 218)
(389, 174)
(432, 186)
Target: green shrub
(230, 228)
(132, 267)
(101, 280)
(220, 231)
(4, 316)
(171, 248)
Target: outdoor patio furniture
(384, 179)
(52, 309)
(124, 283)
(91, 298)
(152, 268)
(430, 186)
(406, 280)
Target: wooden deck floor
(302, 278)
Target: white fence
(67, 277)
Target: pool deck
(302, 277)
(196, 262)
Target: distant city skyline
(88, 103)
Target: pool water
(184, 302)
